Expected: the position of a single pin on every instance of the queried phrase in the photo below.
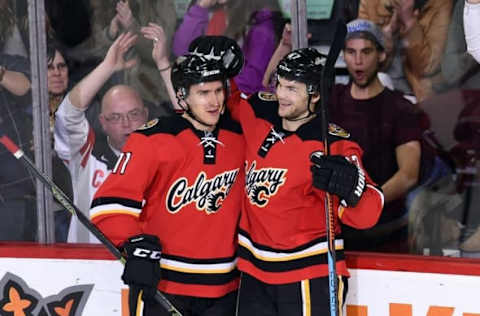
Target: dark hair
(54, 46)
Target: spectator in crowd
(12, 31)
(111, 18)
(472, 27)
(18, 218)
(89, 157)
(257, 23)
(179, 184)
(386, 126)
(467, 158)
(459, 69)
(57, 85)
(415, 37)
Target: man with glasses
(91, 158)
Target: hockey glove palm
(142, 267)
(219, 48)
(336, 175)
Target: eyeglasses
(132, 116)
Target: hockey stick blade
(65, 201)
(327, 81)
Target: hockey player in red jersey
(283, 233)
(176, 194)
(282, 236)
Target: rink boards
(85, 280)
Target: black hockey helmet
(221, 48)
(303, 65)
(192, 69)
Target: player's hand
(142, 266)
(336, 175)
(219, 48)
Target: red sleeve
(240, 109)
(117, 208)
(367, 212)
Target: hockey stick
(63, 199)
(327, 80)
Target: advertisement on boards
(73, 287)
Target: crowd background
(430, 60)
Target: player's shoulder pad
(167, 125)
(148, 125)
(267, 96)
(335, 130)
(265, 105)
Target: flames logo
(262, 184)
(214, 202)
(18, 299)
(259, 195)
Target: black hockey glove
(142, 267)
(336, 175)
(219, 48)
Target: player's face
(57, 75)
(206, 100)
(122, 113)
(363, 60)
(292, 99)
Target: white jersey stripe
(179, 266)
(266, 255)
(113, 208)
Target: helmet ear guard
(183, 92)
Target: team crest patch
(267, 96)
(149, 124)
(336, 130)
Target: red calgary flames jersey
(184, 186)
(282, 232)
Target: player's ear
(382, 56)
(315, 97)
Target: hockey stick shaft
(63, 199)
(328, 78)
